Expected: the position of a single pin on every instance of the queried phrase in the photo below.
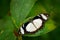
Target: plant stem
(20, 37)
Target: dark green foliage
(4, 8)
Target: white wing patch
(30, 27)
(22, 31)
(37, 23)
(44, 17)
(33, 27)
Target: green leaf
(38, 8)
(20, 9)
(6, 29)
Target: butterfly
(34, 25)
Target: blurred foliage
(20, 9)
(4, 8)
(13, 13)
(6, 29)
